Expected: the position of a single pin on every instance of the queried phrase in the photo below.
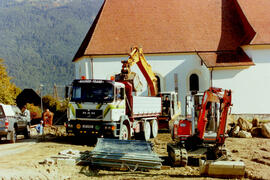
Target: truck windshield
(93, 92)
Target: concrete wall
(251, 86)
(165, 66)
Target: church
(190, 44)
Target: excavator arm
(214, 95)
(136, 57)
(209, 96)
(225, 105)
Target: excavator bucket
(129, 154)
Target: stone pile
(65, 157)
(245, 129)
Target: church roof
(175, 26)
(258, 15)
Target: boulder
(235, 131)
(244, 124)
(256, 132)
(266, 130)
(244, 134)
(33, 132)
(48, 161)
(70, 153)
(255, 122)
(230, 128)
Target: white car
(13, 122)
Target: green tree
(8, 90)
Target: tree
(8, 90)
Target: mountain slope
(38, 39)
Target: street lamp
(41, 104)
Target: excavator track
(178, 156)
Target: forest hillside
(38, 39)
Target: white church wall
(251, 86)
(83, 68)
(165, 66)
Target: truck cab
(95, 107)
(106, 108)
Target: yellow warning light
(78, 126)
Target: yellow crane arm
(136, 56)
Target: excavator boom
(215, 95)
(136, 57)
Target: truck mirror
(122, 93)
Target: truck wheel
(13, 136)
(154, 128)
(124, 132)
(147, 130)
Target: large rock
(244, 134)
(244, 124)
(33, 132)
(256, 132)
(255, 122)
(266, 130)
(48, 161)
(70, 153)
(235, 131)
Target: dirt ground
(21, 160)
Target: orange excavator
(201, 138)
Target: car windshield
(93, 92)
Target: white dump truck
(106, 108)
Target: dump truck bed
(146, 105)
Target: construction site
(156, 101)
(25, 160)
(111, 132)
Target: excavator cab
(170, 109)
(211, 117)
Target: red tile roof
(226, 58)
(257, 13)
(161, 26)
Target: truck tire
(124, 133)
(13, 136)
(147, 130)
(154, 128)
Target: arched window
(158, 83)
(194, 82)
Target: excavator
(170, 105)
(202, 136)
